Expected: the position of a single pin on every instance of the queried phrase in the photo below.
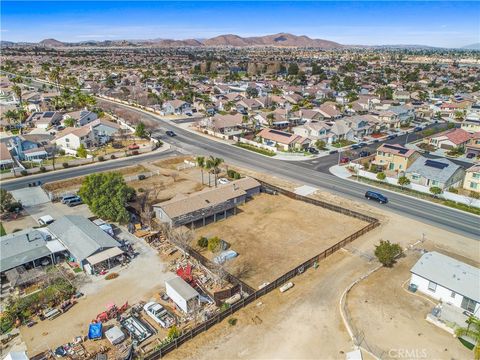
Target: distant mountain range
(228, 40)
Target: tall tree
(473, 332)
(213, 164)
(200, 160)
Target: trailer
(137, 330)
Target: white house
(448, 280)
(182, 294)
(71, 138)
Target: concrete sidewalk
(340, 171)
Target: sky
(435, 23)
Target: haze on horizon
(443, 24)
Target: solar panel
(436, 164)
(277, 132)
(48, 114)
(400, 149)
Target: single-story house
(6, 160)
(283, 140)
(46, 119)
(182, 294)
(448, 280)
(224, 124)
(441, 173)
(176, 107)
(87, 243)
(449, 139)
(214, 203)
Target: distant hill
(475, 46)
(51, 43)
(281, 39)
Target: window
(452, 295)
(473, 185)
(476, 175)
(468, 304)
(434, 182)
(415, 177)
(432, 286)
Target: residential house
(103, 130)
(224, 124)
(246, 105)
(340, 130)
(395, 157)
(313, 130)
(441, 173)
(401, 95)
(449, 139)
(472, 179)
(361, 125)
(329, 111)
(283, 140)
(473, 145)
(82, 117)
(176, 107)
(45, 120)
(211, 204)
(6, 160)
(471, 123)
(28, 150)
(70, 139)
(448, 280)
(397, 116)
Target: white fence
(254, 143)
(425, 189)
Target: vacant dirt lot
(273, 233)
(379, 305)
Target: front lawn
(256, 149)
(342, 143)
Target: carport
(104, 259)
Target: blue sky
(449, 24)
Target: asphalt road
(314, 175)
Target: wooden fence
(300, 269)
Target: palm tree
(200, 160)
(213, 165)
(18, 91)
(473, 332)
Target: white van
(45, 220)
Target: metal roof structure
(182, 288)
(449, 273)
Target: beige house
(71, 138)
(472, 179)
(394, 157)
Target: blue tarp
(95, 331)
(224, 256)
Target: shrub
(65, 165)
(101, 158)
(43, 169)
(202, 242)
(237, 176)
(256, 149)
(111, 276)
(14, 206)
(435, 190)
(113, 156)
(232, 321)
(386, 252)
(214, 244)
(135, 152)
(381, 176)
(141, 190)
(173, 332)
(231, 173)
(403, 181)
(61, 152)
(474, 195)
(453, 190)
(24, 172)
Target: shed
(182, 294)
(115, 335)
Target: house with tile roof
(283, 140)
(394, 157)
(449, 139)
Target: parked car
(312, 150)
(344, 160)
(372, 195)
(223, 181)
(67, 198)
(75, 198)
(158, 314)
(364, 153)
(117, 145)
(417, 129)
(133, 147)
(170, 133)
(391, 137)
(75, 202)
(470, 155)
(362, 144)
(355, 146)
(45, 220)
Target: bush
(101, 158)
(135, 152)
(435, 190)
(24, 172)
(14, 206)
(256, 149)
(43, 169)
(237, 176)
(111, 276)
(113, 156)
(381, 176)
(202, 242)
(61, 152)
(214, 244)
(231, 173)
(232, 321)
(65, 165)
(453, 190)
(173, 332)
(403, 181)
(474, 195)
(141, 190)
(386, 252)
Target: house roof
(182, 288)
(281, 137)
(457, 136)
(4, 153)
(79, 132)
(22, 247)
(440, 170)
(185, 204)
(450, 273)
(396, 149)
(81, 237)
(224, 121)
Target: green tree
(81, 151)
(213, 164)
(293, 69)
(381, 176)
(140, 130)
(435, 190)
(403, 181)
(173, 332)
(6, 200)
(214, 244)
(200, 160)
(386, 252)
(69, 122)
(18, 92)
(320, 144)
(106, 195)
(252, 92)
(472, 331)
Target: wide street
(310, 173)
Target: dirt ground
(380, 306)
(270, 227)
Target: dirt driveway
(274, 233)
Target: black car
(362, 144)
(372, 195)
(355, 146)
(312, 150)
(391, 137)
(470, 155)
(170, 133)
(417, 129)
(364, 153)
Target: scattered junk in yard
(95, 331)
(137, 329)
(50, 314)
(225, 256)
(115, 335)
(286, 287)
(233, 299)
(111, 313)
